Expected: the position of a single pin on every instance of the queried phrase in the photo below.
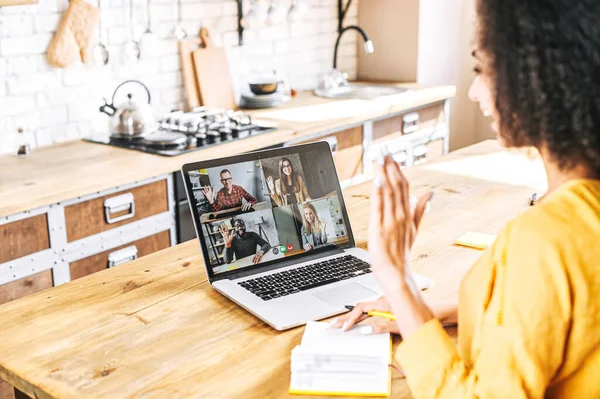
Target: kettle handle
(107, 108)
(130, 81)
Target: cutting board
(212, 74)
(188, 71)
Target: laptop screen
(275, 205)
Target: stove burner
(182, 132)
(165, 139)
(125, 139)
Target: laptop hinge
(279, 265)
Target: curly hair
(545, 72)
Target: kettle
(130, 120)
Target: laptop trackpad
(345, 295)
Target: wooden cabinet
(6, 390)
(100, 214)
(25, 286)
(410, 122)
(24, 237)
(347, 149)
(98, 262)
(42, 248)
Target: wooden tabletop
(73, 169)
(154, 328)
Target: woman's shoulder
(561, 230)
(573, 210)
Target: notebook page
(332, 361)
(319, 336)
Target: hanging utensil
(148, 41)
(99, 52)
(179, 32)
(131, 48)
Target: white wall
(58, 105)
(446, 39)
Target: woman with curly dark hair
(529, 309)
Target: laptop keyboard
(306, 277)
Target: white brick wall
(58, 105)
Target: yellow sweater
(529, 311)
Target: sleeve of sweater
(522, 330)
(228, 255)
(262, 243)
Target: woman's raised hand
(392, 226)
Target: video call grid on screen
(267, 209)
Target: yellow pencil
(385, 315)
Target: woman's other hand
(323, 226)
(355, 316)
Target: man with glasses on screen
(230, 196)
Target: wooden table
(154, 328)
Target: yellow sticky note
(475, 240)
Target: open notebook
(332, 362)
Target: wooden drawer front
(24, 237)
(393, 127)
(6, 390)
(95, 263)
(88, 218)
(436, 149)
(428, 152)
(25, 286)
(347, 151)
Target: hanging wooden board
(212, 74)
(188, 71)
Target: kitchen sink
(365, 92)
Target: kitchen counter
(74, 169)
(155, 328)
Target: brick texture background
(56, 105)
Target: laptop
(275, 235)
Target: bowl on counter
(263, 88)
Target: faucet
(368, 43)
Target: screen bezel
(319, 148)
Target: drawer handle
(401, 158)
(410, 123)
(420, 154)
(117, 204)
(333, 144)
(122, 256)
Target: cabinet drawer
(435, 149)
(98, 262)
(25, 286)
(6, 390)
(347, 149)
(428, 152)
(114, 210)
(408, 123)
(24, 237)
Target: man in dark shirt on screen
(243, 243)
(230, 196)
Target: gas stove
(182, 132)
